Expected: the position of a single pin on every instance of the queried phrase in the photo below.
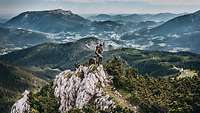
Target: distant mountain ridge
(179, 34)
(20, 38)
(135, 17)
(3, 20)
(58, 20)
(62, 56)
(143, 33)
(183, 24)
(49, 21)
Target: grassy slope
(155, 95)
(64, 56)
(13, 81)
(156, 63)
(151, 95)
(148, 92)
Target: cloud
(156, 2)
(96, 1)
(174, 2)
(102, 6)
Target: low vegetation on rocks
(128, 92)
(155, 95)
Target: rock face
(75, 89)
(22, 106)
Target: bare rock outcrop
(75, 89)
(22, 105)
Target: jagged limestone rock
(66, 88)
(76, 89)
(22, 105)
(103, 101)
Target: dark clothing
(98, 52)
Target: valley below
(151, 63)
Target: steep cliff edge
(75, 89)
(86, 86)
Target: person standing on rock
(98, 52)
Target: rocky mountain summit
(87, 85)
(76, 89)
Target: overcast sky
(101, 6)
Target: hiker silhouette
(98, 53)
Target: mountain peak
(197, 12)
(54, 11)
(61, 11)
(75, 89)
(88, 85)
(78, 88)
(63, 20)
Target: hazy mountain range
(57, 57)
(178, 34)
(165, 31)
(48, 21)
(3, 20)
(35, 46)
(135, 17)
(47, 60)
